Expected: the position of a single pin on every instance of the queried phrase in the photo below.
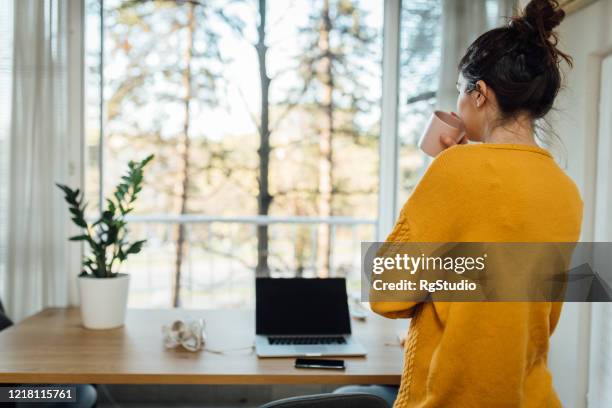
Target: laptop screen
(301, 306)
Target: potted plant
(103, 289)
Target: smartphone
(316, 363)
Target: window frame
(389, 140)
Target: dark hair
(520, 61)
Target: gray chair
(353, 400)
(85, 393)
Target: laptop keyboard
(298, 341)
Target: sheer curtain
(6, 65)
(43, 150)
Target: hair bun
(536, 25)
(543, 15)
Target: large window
(264, 120)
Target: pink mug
(440, 123)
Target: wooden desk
(52, 347)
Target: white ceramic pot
(103, 301)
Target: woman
(503, 189)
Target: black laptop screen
(301, 306)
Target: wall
(587, 36)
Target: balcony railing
(220, 255)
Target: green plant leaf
(80, 222)
(79, 238)
(136, 247)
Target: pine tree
(166, 67)
(337, 41)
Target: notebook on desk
(303, 317)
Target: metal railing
(220, 255)
(255, 219)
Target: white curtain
(42, 152)
(463, 21)
(6, 65)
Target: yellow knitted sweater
(469, 354)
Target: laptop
(303, 317)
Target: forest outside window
(264, 116)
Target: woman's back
(494, 353)
(534, 200)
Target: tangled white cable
(190, 334)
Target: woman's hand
(448, 141)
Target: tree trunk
(325, 165)
(264, 199)
(184, 151)
(301, 241)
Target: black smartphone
(319, 363)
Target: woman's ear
(481, 94)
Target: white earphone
(190, 334)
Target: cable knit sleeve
(429, 215)
(394, 310)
